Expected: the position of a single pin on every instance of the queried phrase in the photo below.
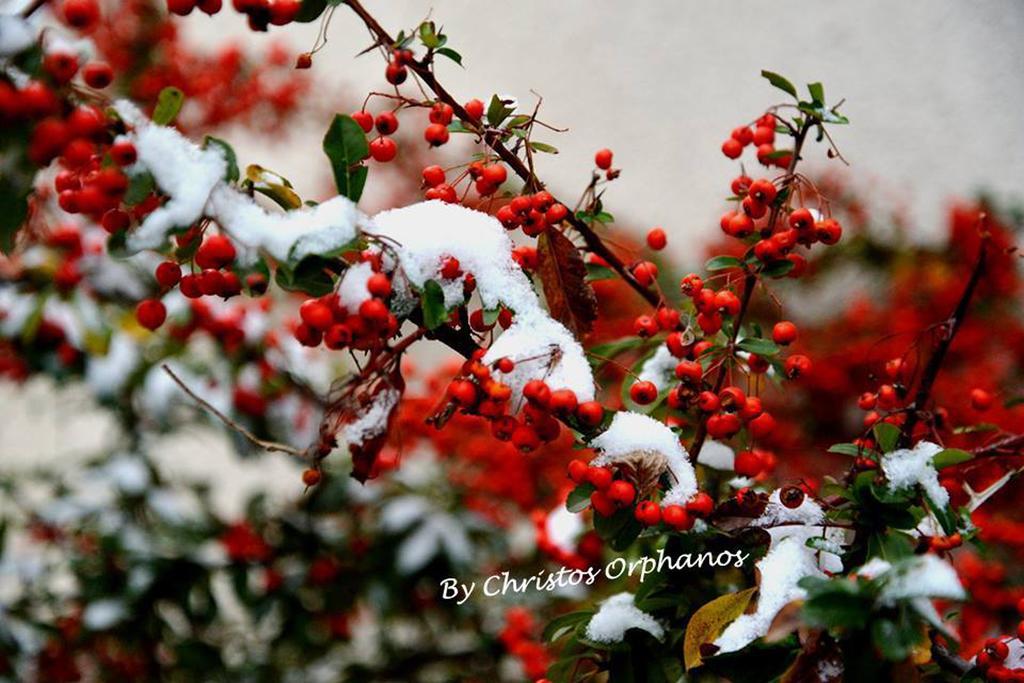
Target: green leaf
(560, 625)
(168, 104)
(835, 603)
(847, 449)
(13, 210)
(949, 457)
(450, 54)
(578, 499)
(497, 111)
(887, 436)
(345, 145)
(817, 91)
(430, 37)
(722, 263)
(595, 272)
(310, 276)
(432, 302)
(140, 186)
(310, 10)
(780, 82)
(778, 268)
(231, 175)
(761, 347)
(543, 147)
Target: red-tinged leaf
(360, 413)
(563, 275)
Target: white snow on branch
(717, 455)
(373, 420)
(905, 468)
(786, 563)
(352, 291)
(192, 179)
(423, 235)
(921, 576)
(659, 369)
(631, 433)
(617, 615)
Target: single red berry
(701, 505)
(590, 413)
(732, 148)
(441, 113)
(181, 7)
(304, 61)
(602, 504)
(740, 185)
(374, 311)
(475, 109)
(379, 285)
(747, 464)
(981, 400)
(123, 153)
(797, 365)
(168, 274)
(386, 122)
(784, 333)
(463, 392)
(537, 392)
(383, 149)
(562, 401)
(306, 335)
(622, 492)
(82, 14)
(578, 471)
(643, 392)
(648, 513)
(603, 159)
(215, 252)
(742, 135)
(676, 517)
(396, 73)
(337, 336)
(311, 477)
(656, 239)
(98, 75)
(151, 313)
(316, 314)
(62, 66)
(495, 174)
(364, 119)
(599, 477)
(645, 273)
(525, 438)
(115, 220)
(433, 176)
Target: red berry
(379, 285)
(599, 477)
(648, 513)
(337, 337)
(387, 123)
(436, 135)
(742, 135)
(784, 333)
(364, 119)
(441, 113)
(151, 313)
(622, 492)
(311, 477)
(656, 239)
(723, 425)
(463, 392)
(643, 392)
(689, 371)
(395, 73)
(115, 220)
(495, 174)
(383, 149)
(748, 464)
(602, 504)
(283, 11)
(123, 153)
(181, 7)
(700, 505)
(82, 14)
(98, 75)
(590, 413)
(797, 365)
(578, 471)
(732, 148)
(62, 66)
(316, 314)
(537, 392)
(603, 159)
(168, 274)
(475, 109)
(562, 401)
(981, 400)
(645, 273)
(215, 252)
(374, 311)
(525, 438)
(306, 335)
(433, 176)
(676, 517)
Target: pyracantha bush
(605, 419)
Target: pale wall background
(934, 90)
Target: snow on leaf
(707, 623)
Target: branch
(591, 239)
(950, 327)
(271, 446)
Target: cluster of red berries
(533, 213)
(519, 638)
(476, 391)
(777, 241)
(81, 14)
(762, 137)
(260, 13)
(487, 177)
(63, 66)
(603, 161)
(991, 660)
(325, 319)
(611, 494)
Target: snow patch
(617, 615)
(905, 468)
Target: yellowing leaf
(709, 621)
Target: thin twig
(272, 446)
(422, 69)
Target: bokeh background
(933, 89)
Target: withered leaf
(707, 623)
(563, 275)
